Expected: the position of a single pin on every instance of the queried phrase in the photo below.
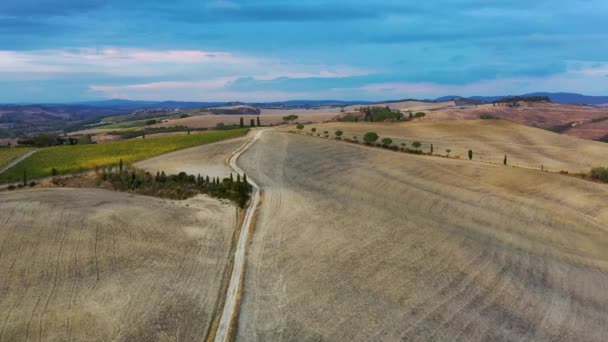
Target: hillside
(490, 140)
(360, 244)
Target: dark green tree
(504, 161)
(120, 165)
(370, 137)
(339, 133)
(420, 115)
(300, 127)
(416, 144)
(252, 123)
(470, 154)
(431, 148)
(242, 124)
(387, 141)
(258, 121)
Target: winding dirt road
(231, 304)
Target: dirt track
(354, 243)
(97, 265)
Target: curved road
(236, 278)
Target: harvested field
(97, 265)
(357, 243)
(207, 160)
(544, 115)
(490, 140)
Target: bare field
(88, 265)
(210, 121)
(207, 160)
(357, 243)
(490, 140)
(541, 114)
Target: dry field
(490, 140)
(208, 160)
(543, 115)
(363, 244)
(210, 121)
(88, 265)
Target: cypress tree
(258, 119)
(207, 180)
(242, 124)
(231, 178)
(245, 179)
(431, 148)
(470, 154)
(120, 165)
(252, 123)
(157, 176)
(505, 160)
(238, 178)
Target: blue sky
(228, 50)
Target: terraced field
(357, 243)
(490, 140)
(8, 154)
(87, 265)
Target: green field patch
(8, 154)
(78, 158)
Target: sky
(275, 50)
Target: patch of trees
(48, 139)
(180, 186)
(290, 118)
(514, 101)
(487, 117)
(349, 118)
(380, 114)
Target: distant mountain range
(562, 98)
(178, 104)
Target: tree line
(175, 186)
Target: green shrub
(370, 137)
(600, 173)
(387, 141)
